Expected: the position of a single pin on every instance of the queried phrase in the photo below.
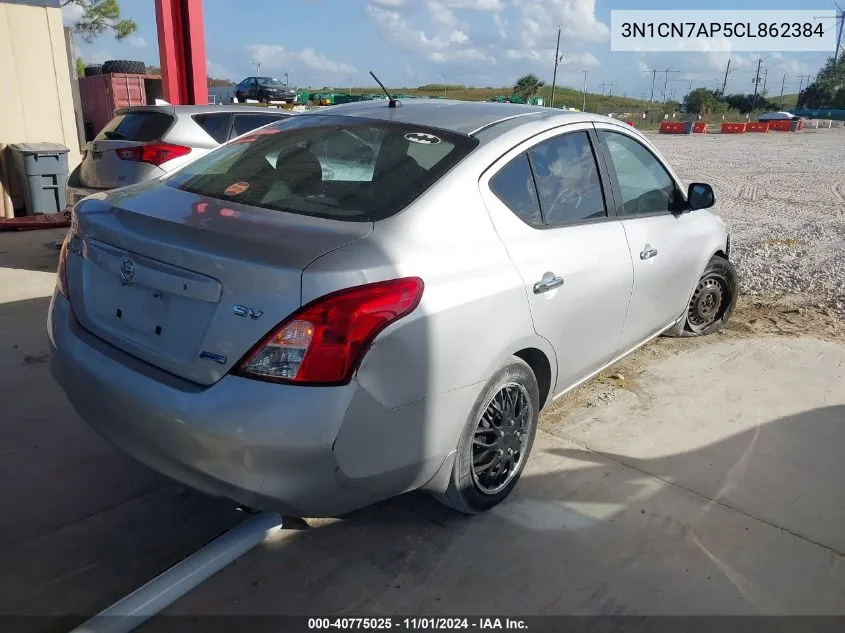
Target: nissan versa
(354, 303)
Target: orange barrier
(632, 123)
(699, 127)
(757, 127)
(733, 128)
(671, 127)
(784, 125)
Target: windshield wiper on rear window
(114, 136)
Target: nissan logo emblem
(127, 270)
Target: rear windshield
(337, 167)
(136, 126)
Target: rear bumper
(75, 194)
(305, 451)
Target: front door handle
(547, 284)
(648, 252)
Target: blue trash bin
(43, 169)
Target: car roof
(462, 117)
(201, 109)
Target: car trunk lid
(103, 168)
(187, 283)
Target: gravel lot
(782, 196)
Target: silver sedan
(367, 300)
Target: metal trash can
(43, 170)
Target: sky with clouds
(472, 42)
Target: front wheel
(713, 300)
(496, 441)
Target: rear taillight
(61, 271)
(324, 341)
(153, 153)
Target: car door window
(567, 178)
(247, 122)
(514, 186)
(216, 124)
(644, 183)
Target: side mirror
(700, 196)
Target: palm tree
(528, 86)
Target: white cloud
(218, 71)
(71, 14)
(446, 44)
(577, 19)
(390, 3)
(501, 25)
(474, 5)
(98, 57)
(136, 41)
(273, 57)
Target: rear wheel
(496, 441)
(713, 300)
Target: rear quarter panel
(473, 309)
(429, 368)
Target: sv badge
(246, 311)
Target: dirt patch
(755, 316)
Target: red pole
(181, 45)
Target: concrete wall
(36, 102)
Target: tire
(713, 300)
(124, 66)
(93, 70)
(471, 491)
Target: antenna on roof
(391, 102)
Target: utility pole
(756, 82)
(666, 80)
(584, 105)
(801, 82)
(610, 88)
(557, 59)
(257, 68)
(725, 81)
(765, 78)
(782, 84)
(601, 87)
(653, 72)
(444, 85)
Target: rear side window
(247, 122)
(337, 167)
(568, 179)
(216, 124)
(141, 125)
(514, 185)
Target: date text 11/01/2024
(417, 624)
(726, 29)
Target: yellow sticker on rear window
(235, 189)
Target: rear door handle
(648, 252)
(547, 284)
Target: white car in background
(144, 142)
